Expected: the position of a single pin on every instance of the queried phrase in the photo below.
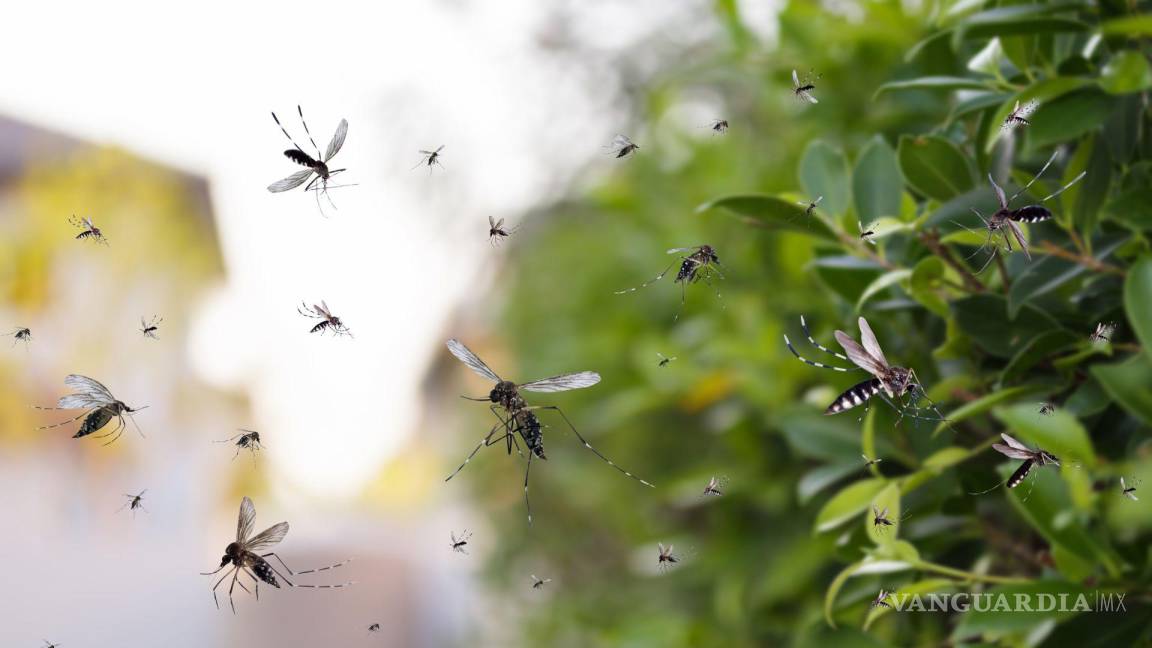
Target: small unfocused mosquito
(517, 417)
(809, 206)
(719, 126)
(497, 232)
(1005, 219)
(866, 233)
(1046, 409)
(21, 335)
(315, 165)
(1032, 458)
(892, 383)
(244, 557)
(880, 518)
(328, 321)
(803, 89)
(715, 486)
(1103, 332)
(135, 503)
(49, 644)
(621, 146)
(149, 328)
(868, 463)
(90, 231)
(700, 262)
(375, 627)
(247, 440)
(538, 583)
(430, 158)
(879, 600)
(1019, 115)
(666, 560)
(100, 407)
(1129, 491)
(458, 544)
(664, 360)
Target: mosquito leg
(56, 425)
(683, 298)
(813, 342)
(527, 505)
(305, 571)
(283, 130)
(649, 282)
(301, 112)
(483, 442)
(806, 361)
(308, 571)
(588, 445)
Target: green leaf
(847, 275)
(824, 172)
(1033, 352)
(772, 213)
(1017, 19)
(1049, 273)
(984, 318)
(864, 567)
(1058, 432)
(876, 182)
(934, 83)
(983, 404)
(880, 283)
(1138, 301)
(1069, 117)
(1089, 194)
(934, 167)
(850, 502)
(1128, 71)
(822, 477)
(994, 621)
(927, 586)
(1127, 383)
(1139, 25)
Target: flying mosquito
(49, 644)
(879, 600)
(892, 383)
(375, 627)
(1129, 491)
(244, 557)
(247, 440)
(538, 583)
(517, 417)
(719, 126)
(1103, 332)
(22, 334)
(1046, 409)
(803, 91)
(868, 463)
(430, 158)
(100, 407)
(622, 146)
(458, 544)
(149, 328)
(1006, 220)
(315, 165)
(90, 231)
(700, 262)
(664, 360)
(866, 233)
(1017, 450)
(666, 560)
(880, 518)
(135, 502)
(810, 207)
(715, 486)
(1019, 115)
(328, 321)
(496, 231)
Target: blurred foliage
(907, 130)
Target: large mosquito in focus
(135, 503)
(247, 440)
(328, 321)
(149, 328)
(243, 555)
(621, 146)
(22, 334)
(430, 158)
(701, 262)
(496, 231)
(1006, 218)
(317, 166)
(892, 383)
(89, 231)
(100, 405)
(517, 417)
(803, 89)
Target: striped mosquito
(719, 126)
(1102, 333)
(244, 557)
(22, 334)
(328, 321)
(496, 231)
(458, 544)
(1005, 220)
(621, 146)
(880, 518)
(803, 89)
(1019, 115)
(539, 583)
(430, 158)
(1129, 491)
(715, 486)
(879, 601)
(247, 440)
(1032, 458)
(700, 263)
(317, 166)
(89, 231)
(134, 503)
(100, 407)
(149, 328)
(664, 360)
(517, 417)
(891, 383)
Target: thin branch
(1090, 262)
(931, 240)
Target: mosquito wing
(1014, 443)
(859, 356)
(1008, 451)
(323, 308)
(818, 199)
(683, 249)
(79, 401)
(268, 537)
(291, 182)
(85, 386)
(1018, 234)
(870, 343)
(337, 140)
(465, 355)
(244, 522)
(795, 79)
(807, 96)
(563, 382)
(999, 193)
(620, 141)
(1123, 487)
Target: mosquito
(90, 231)
(1103, 332)
(100, 407)
(315, 165)
(700, 262)
(719, 126)
(517, 417)
(666, 560)
(1046, 409)
(1019, 115)
(880, 518)
(49, 644)
(868, 463)
(247, 440)
(715, 486)
(496, 231)
(538, 583)
(1006, 220)
(244, 557)
(879, 600)
(810, 207)
(375, 627)
(458, 544)
(866, 233)
(1017, 450)
(664, 360)
(803, 91)
(891, 383)
(328, 321)
(134, 503)
(149, 328)
(430, 158)
(622, 146)
(22, 334)
(1129, 491)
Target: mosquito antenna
(989, 490)
(1074, 181)
(1037, 176)
(813, 342)
(285, 131)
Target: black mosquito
(21, 335)
(868, 463)
(666, 560)
(517, 417)
(809, 206)
(328, 321)
(1005, 221)
(149, 328)
(1019, 115)
(497, 232)
(430, 158)
(803, 89)
(719, 126)
(49, 644)
(134, 503)
(538, 583)
(458, 544)
(90, 231)
(375, 627)
(621, 146)
(1046, 409)
(1129, 491)
(1017, 450)
(892, 383)
(1103, 332)
(100, 407)
(664, 360)
(701, 262)
(315, 165)
(715, 486)
(244, 557)
(880, 518)
(866, 233)
(247, 440)
(879, 600)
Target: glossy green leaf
(1059, 432)
(1068, 117)
(881, 283)
(770, 212)
(849, 503)
(934, 167)
(985, 319)
(1138, 25)
(824, 172)
(1126, 72)
(876, 182)
(1087, 196)
(1127, 383)
(934, 83)
(863, 567)
(1043, 92)
(994, 619)
(1138, 301)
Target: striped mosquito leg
(810, 362)
(856, 395)
(588, 445)
(486, 441)
(308, 132)
(649, 282)
(813, 342)
(527, 505)
(56, 425)
(308, 571)
(283, 130)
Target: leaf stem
(970, 576)
(1090, 262)
(931, 240)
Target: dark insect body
(375, 627)
(135, 502)
(516, 417)
(538, 583)
(870, 462)
(21, 335)
(90, 231)
(1103, 332)
(1047, 409)
(803, 89)
(700, 263)
(49, 644)
(247, 440)
(101, 408)
(317, 165)
(458, 544)
(664, 360)
(496, 231)
(1019, 115)
(1032, 458)
(243, 556)
(149, 328)
(1129, 491)
(866, 234)
(621, 146)
(328, 321)
(666, 560)
(810, 207)
(879, 600)
(880, 518)
(430, 158)
(719, 126)
(715, 484)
